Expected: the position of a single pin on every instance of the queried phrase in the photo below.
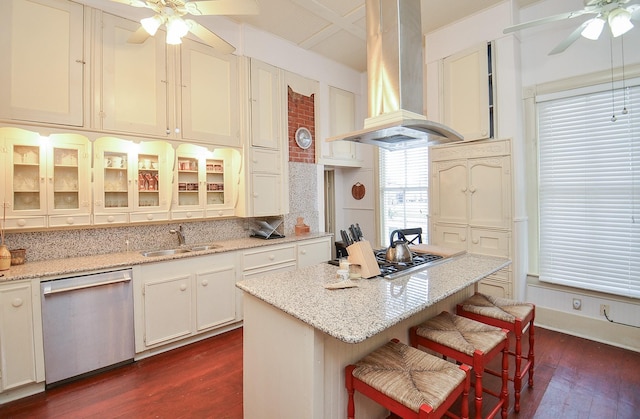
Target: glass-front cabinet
(200, 190)
(132, 181)
(46, 180)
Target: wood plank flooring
(574, 378)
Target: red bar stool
(408, 382)
(468, 342)
(517, 317)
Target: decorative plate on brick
(303, 138)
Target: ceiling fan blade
(548, 19)
(139, 36)
(573, 37)
(210, 38)
(223, 7)
(634, 9)
(134, 3)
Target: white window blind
(589, 191)
(404, 184)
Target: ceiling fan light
(172, 39)
(593, 29)
(177, 27)
(620, 21)
(151, 24)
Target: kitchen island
(299, 336)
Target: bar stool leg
(351, 410)
(504, 395)
(531, 356)
(517, 377)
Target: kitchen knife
(345, 238)
(354, 235)
(359, 232)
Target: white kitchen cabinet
(468, 92)
(342, 120)
(17, 339)
(132, 92)
(264, 190)
(188, 92)
(132, 181)
(204, 183)
(179, 299)
(46, 180)
(312, 252)
(471, 203)
(46, 84)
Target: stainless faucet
(180, 233)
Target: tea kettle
(398, 250)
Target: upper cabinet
(43, 42)
(468, 92)
(46, 180)
(268, 102)
(185, 92)
(342, 120)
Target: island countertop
(354, 314)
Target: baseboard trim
(621, 336)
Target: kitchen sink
(167, 252)
(188, 249)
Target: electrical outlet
(604, 310)
(577, 304)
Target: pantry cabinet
(132, 181)
(46, 84)
(471, 203)
(188, 92)
(178, 299)
(265, 187)
(17, 336)
(45, 180)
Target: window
(589, 190)
(404, 191)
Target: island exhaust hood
(395, 73)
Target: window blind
(404, 184)
(589, 191)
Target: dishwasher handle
(48, 291)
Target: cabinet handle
(475, 241)
(21, 222)
(472, 189)
(204, 282)
(149, 217)
(70, 220)
(189, 215)
(464, 239)
(272, 257)
(80, 62)
(110, 219)
(183, 287)
(17, 302)
(255, 195)
(304, 252)
(464, 189)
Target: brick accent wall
(301, 112)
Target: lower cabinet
(182, 298)
(17, 339)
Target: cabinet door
(112, 187)
(69, 186)
(151, 167)
(489, 242)
(209, 92)
(266, 196)
(490, 192)
(449, 191)
(17, 346)
(466, 92)
(215, 295)
(267, 106)
(167, 309)
(134, 80)
(342, 120)
(42, 75)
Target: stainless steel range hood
(395, 74)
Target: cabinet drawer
(187, 214)
(269, 256)
(26, 222)
(69, 220)
(214, 213)
(499, 284)
(285, 267)
(489, 242)
(312, 253)
(110, 218)
(265, 161)
(149, 216)
(453, 236)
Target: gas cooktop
(392, 270)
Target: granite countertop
(355, 314)
(57, 267)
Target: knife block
(362, 254)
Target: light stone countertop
(81, 265)
(355, 314)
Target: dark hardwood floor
(574, 378)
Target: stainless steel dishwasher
(87, 323)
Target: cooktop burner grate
(392, 270)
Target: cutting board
(446, 252)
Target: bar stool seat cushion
(409, 376)
(497, 308)
(463, 334)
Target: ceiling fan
(617, 13)
(171, 13)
